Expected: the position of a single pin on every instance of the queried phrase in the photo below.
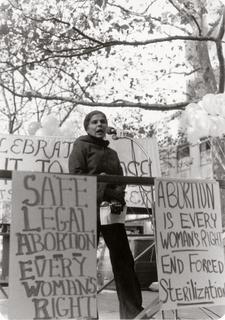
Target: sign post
(191, 269)
(53, 243)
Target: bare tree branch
(68, 114)
(113, 104)
(89, 50)
(187, 14)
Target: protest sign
(53, 243)
(190, 256)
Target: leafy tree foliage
(60, 55)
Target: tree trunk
(203, 80)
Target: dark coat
(92, 156)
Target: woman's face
(97, 126)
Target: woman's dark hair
(90, 115)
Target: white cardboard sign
(52, 272)
(190, 252)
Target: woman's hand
(101, 186)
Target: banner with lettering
(50, 154)
(189, 240)
(140, 158)
(30, 153)
(52, 272)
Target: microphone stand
(115, 137)
(155, 305)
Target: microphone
(111, 130)
(116, 133)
